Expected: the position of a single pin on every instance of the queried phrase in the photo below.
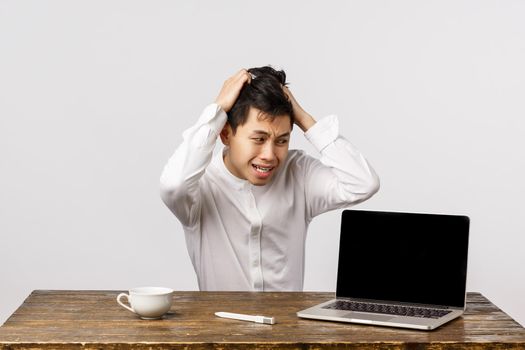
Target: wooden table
(94, 320)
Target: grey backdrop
(94, 96)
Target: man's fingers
(231, 89)
(289, 94)
(286, 91)
(239, 79)
(244, 76)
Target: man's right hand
(231, 89)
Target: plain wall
(94, 96)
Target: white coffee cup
(148, 302)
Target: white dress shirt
(252, 238)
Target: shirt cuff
(214, 116)
(208, 127)
(323, 132)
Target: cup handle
(122, 295)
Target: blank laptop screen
(405, 257)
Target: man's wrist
(305, 122)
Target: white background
(94, 96)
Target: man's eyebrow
(267, 133)
(284, 135)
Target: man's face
(258, 147)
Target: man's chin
(259, 182)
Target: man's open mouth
(261, 169)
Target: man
(245, 213)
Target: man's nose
(268, 151)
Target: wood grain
(94, 320)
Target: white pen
(251, 318)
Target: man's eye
(258, 139)
(282, 142)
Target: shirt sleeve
(179, 182)
(342, 176)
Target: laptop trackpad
(367, 316)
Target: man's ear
(226, 134)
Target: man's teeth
(262, 169)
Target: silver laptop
(398, 269)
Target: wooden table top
(93, 319)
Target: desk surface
(93, 319)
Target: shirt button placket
(255, 243)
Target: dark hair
(265, 93)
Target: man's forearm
(347, 176)
(189, 161)
(305, 121)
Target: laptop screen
(405, 257)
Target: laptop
(398, 269)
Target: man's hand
(231, 89)
(304, 120)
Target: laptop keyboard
(387, 309)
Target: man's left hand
(301, 117)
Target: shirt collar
(226, 175)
